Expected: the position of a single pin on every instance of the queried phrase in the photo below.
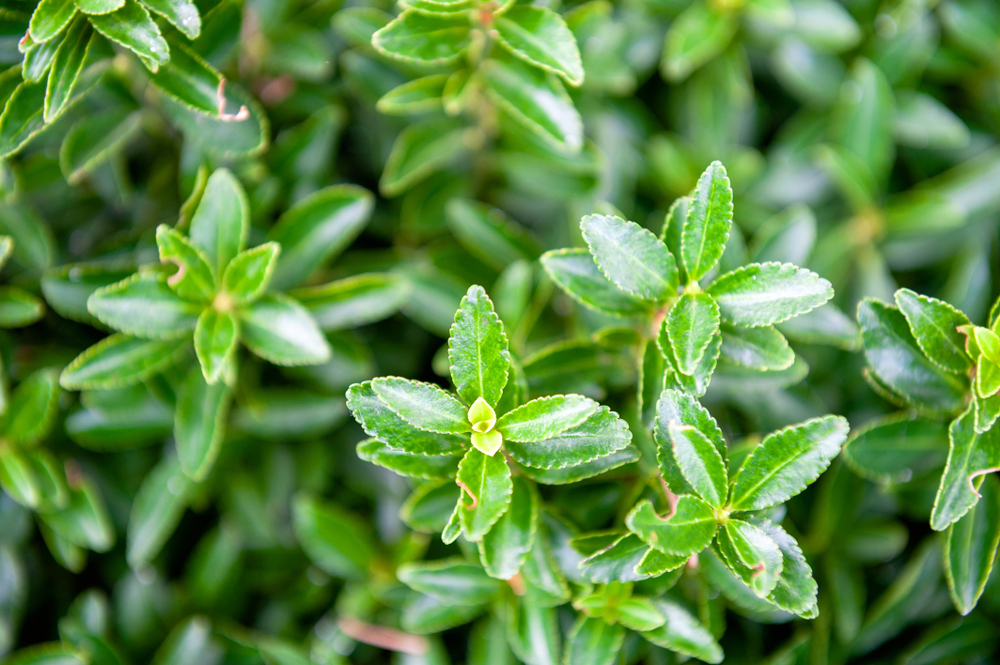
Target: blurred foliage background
(860, 137)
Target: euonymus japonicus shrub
(225, 508)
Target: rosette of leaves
(71, 513)
(217, 297)
(480, 432)
(727, 511)
(488, 59)
(684, 327)
(927, 357)
(68, 46)
(610, 611)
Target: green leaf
(408, 464)
(477, 349)
(593, 641)
(709, 219)
(223, 137)
(451, 581)
(429, 506)
(22, 117)
(934, 325)
(683, 410)
(182, 14)
(33, 245)
(897, 448)
(423, 39)
(486, 492)
(354, 301)
(546, 417)
(417, 96)
(535, 635)
(84, 521)
(897, 361)
(33, 406)
(603, 433)
(423, 405)
(379, 421)
(120, 419)
(66, 67)
(683, 633)
(751, 555)
(786, 462)
(971, 546)
(317, 229)
(691, 325)
(49, 19)
(489, 234)
(631, 256)
(628, 559)
(767, 293)
(505, 547)
(424, 614)
(689, 530)
(281, 331)
(200, 423)
(574, 474)
(221, 221)
(796, 590)
(132, 27)
(700, 463)
(187, 78)
(540, 37)
(534, 99)
(98, 6)
(95, 139)
(215, 339)
(921, 121)
(763, 349)
(335, 540)
(156, 511)
(32, 479)
(576, 273)
(194, 279)
(19, 308)
(698, 35)
(144, 306)
(863, 118)
(121, 360)
(639, 614)
(249, 273)
(824, 325)
(420, 150)
(45, 654)
(971, 455)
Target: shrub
(450, 331)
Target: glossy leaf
(934, 325)
(144, 306)
(751, 555)
(249, 273)
(601, 434)
(199, 423)
(690, 529)
(477, 349)
(505, 547)
(706, 227)
(576, 273)
(420, 38)
(423, 405)
(691, 325)
(630, 256)
(540, 37)
(486, 492)
(971, 546)
(317, 229)
(545, 417)
(281, 331)
(786, 462)
(768, 293)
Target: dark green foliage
(448, 331)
